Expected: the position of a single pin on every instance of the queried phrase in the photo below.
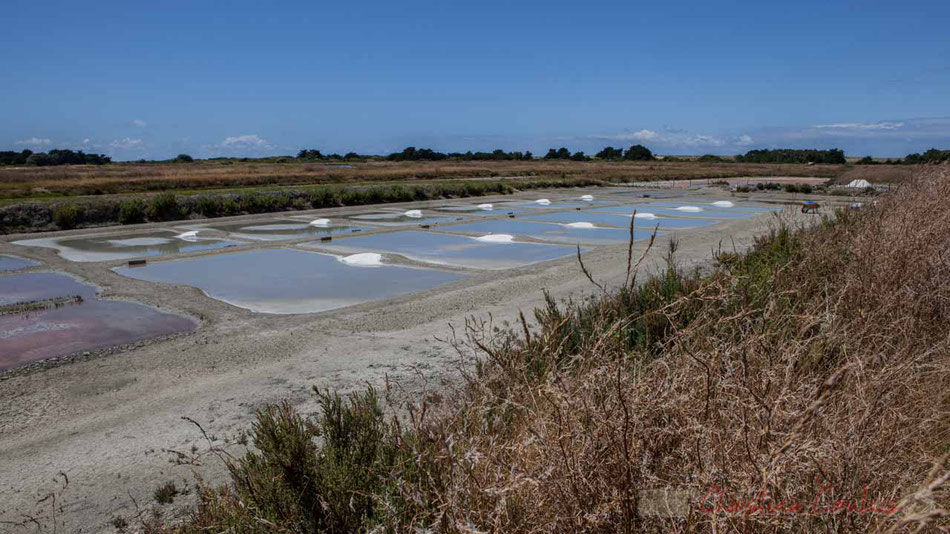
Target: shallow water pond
(26, 287)
(289, 280)
(108, 247)
(387, 218)
(559, 233)
(554, 205)
(81, 325)
(281, 230)
(496, 210)
(617, 219)
(708, 204)
(673, 212)
(445, 249)
(12, 263)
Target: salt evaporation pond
(673, 212)
(446, 249)
(75, 325)
(550, 206)
(283, 281)
(12, 263)
(623, 221)
(109, 247)
(475, 209)
(26, 287)
(277, 231)
(711, 205)
(469, 207)
(398, 218)
(559, 233)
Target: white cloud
(744, 140)
(126, 143)
(138, 123)
(669, 138)
(861, 126)
(34, 141)
(246, 140)
(642, 135)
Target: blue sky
(153, 79)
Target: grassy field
(37, 183)
(801, 386)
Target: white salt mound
(542, 201)
(580, 225)
(413, 213)
(649, 216)
(364, 259)
(320, 222)
(188, 236)
(691, 209)
(859, 184)
(496, 238)
(587, 198)
(723, 204)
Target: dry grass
(879, 174)
(804, 386)
(815, 368)
(123, 178)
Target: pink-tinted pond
(32, 333)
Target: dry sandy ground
(105, 422)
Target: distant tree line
(316, 155)
(427, 154)
(788, 155)
(931, 156)
(634, 153)
(563, 153)
(711, 158)
(53, 157)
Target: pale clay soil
(105, 421)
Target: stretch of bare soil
(109, 422)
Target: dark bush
(328, 488)
(638, 153)
(68, 216)
(131, 211)
(164, 207)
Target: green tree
(610, 153)
(638, 153)
(309, 154)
